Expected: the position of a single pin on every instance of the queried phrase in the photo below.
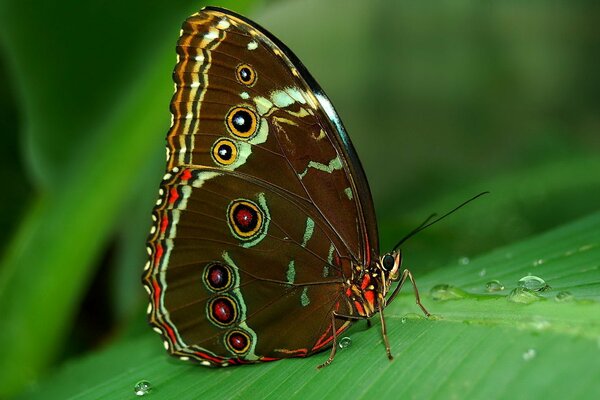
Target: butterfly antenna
(428, 222)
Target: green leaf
(478, 345)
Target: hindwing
(233, 276)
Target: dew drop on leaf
(345, 342)
(529, 355)
(142, 388)
(494, 286)
(534, 283)
(523, 296)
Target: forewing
(241, 91)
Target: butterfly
(264, 240)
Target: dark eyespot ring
(245, 74)
(218, 277)
(388, 262)
(224, 152)
(241, 122)
(237, 341)
(222, 310)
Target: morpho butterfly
(264, 239)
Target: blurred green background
(442, 99)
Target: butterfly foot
(326, 363)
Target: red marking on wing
(365, 282)
(270, 358)
(349, 292)
(158, 254)
(156, 287)
(244, 217)
(171, 333)
(173, 196)
(296, 353)
(186, 174)
(367, 250)
(323, 341)
(208, 357)
(164, 223)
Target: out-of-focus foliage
(441, 99)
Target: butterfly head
(390, 264)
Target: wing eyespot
(246, 75)
(245, 219)
(224, 152)
(242, 122)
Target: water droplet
(529, 355)
(345, 342)
(564, 296)
(494, 286)
(403, 320)
(412, 316)
(482, 273)
(522, 295)
(534, 283)
(142, 388)
(446, 292)
(538, 262)
(464, 260)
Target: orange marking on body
(164, 222)
(370, 297)
(365, 282)
(186, 175)
(359, 308)
(337, 306)
(173, 196)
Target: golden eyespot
(245, 74)
(245, 218)
(224, 152)
(242, 122)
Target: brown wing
(238, 272)
(239, 88)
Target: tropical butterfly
(264, 240)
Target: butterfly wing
(264, 195)
(295, 138)
(215, 294)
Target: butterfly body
(264, 240)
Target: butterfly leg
(369, 323)
(334, 346)
(384, 332)
(407, 274)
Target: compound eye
(388, 262)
